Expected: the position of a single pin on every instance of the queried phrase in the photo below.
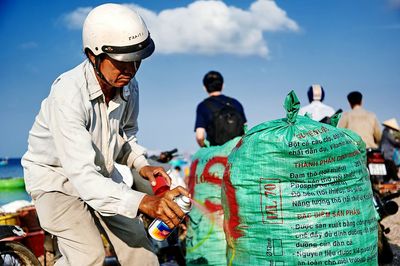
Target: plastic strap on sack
(292, 106)
(335, 119)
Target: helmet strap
(96, 66)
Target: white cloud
(209, 27)
(75, 19)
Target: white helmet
(117, 31)
(316, 93)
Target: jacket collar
(93, 86)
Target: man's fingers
(152, 180)
(170, 213)
(151, 172)
(176, 192)
(176, 210)
(173, 217)
(161, 171)
(183, 191)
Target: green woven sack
(297, 192)
(205, 242)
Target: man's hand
(150, 172)
(163, 206)
(200, 136)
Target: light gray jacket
(76, 138)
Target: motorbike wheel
(385, 253)
(16, 254)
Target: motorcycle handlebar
(167, 156)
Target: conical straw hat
(392, 123)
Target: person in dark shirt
(213, 83)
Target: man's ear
(90, 56)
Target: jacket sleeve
(66, 121)
(132, 154)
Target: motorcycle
(377, 167)
(385, 207)
(13, 252)
(165, 156)
(383, 201)
(383, 179)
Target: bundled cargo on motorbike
(205, 242)
(297, 192)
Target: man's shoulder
(203, 103)
(346, 113)
(306, 107)
(364, 111)
(228, 98)
(220, 101)
(372, 114)
(328, 108)
(68, 84)
(73, 75)
(211, 101)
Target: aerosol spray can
(158, 229)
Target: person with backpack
(219, 118)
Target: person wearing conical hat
(392, 124)
(390, 146)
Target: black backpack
(227, 122)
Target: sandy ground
(393, 222)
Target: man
(88, 122)
(232, 117)
(316, 108)
(361, 121)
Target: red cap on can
(161, 185)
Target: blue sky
(264, 49)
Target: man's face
(118, 73)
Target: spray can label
(159, 230)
